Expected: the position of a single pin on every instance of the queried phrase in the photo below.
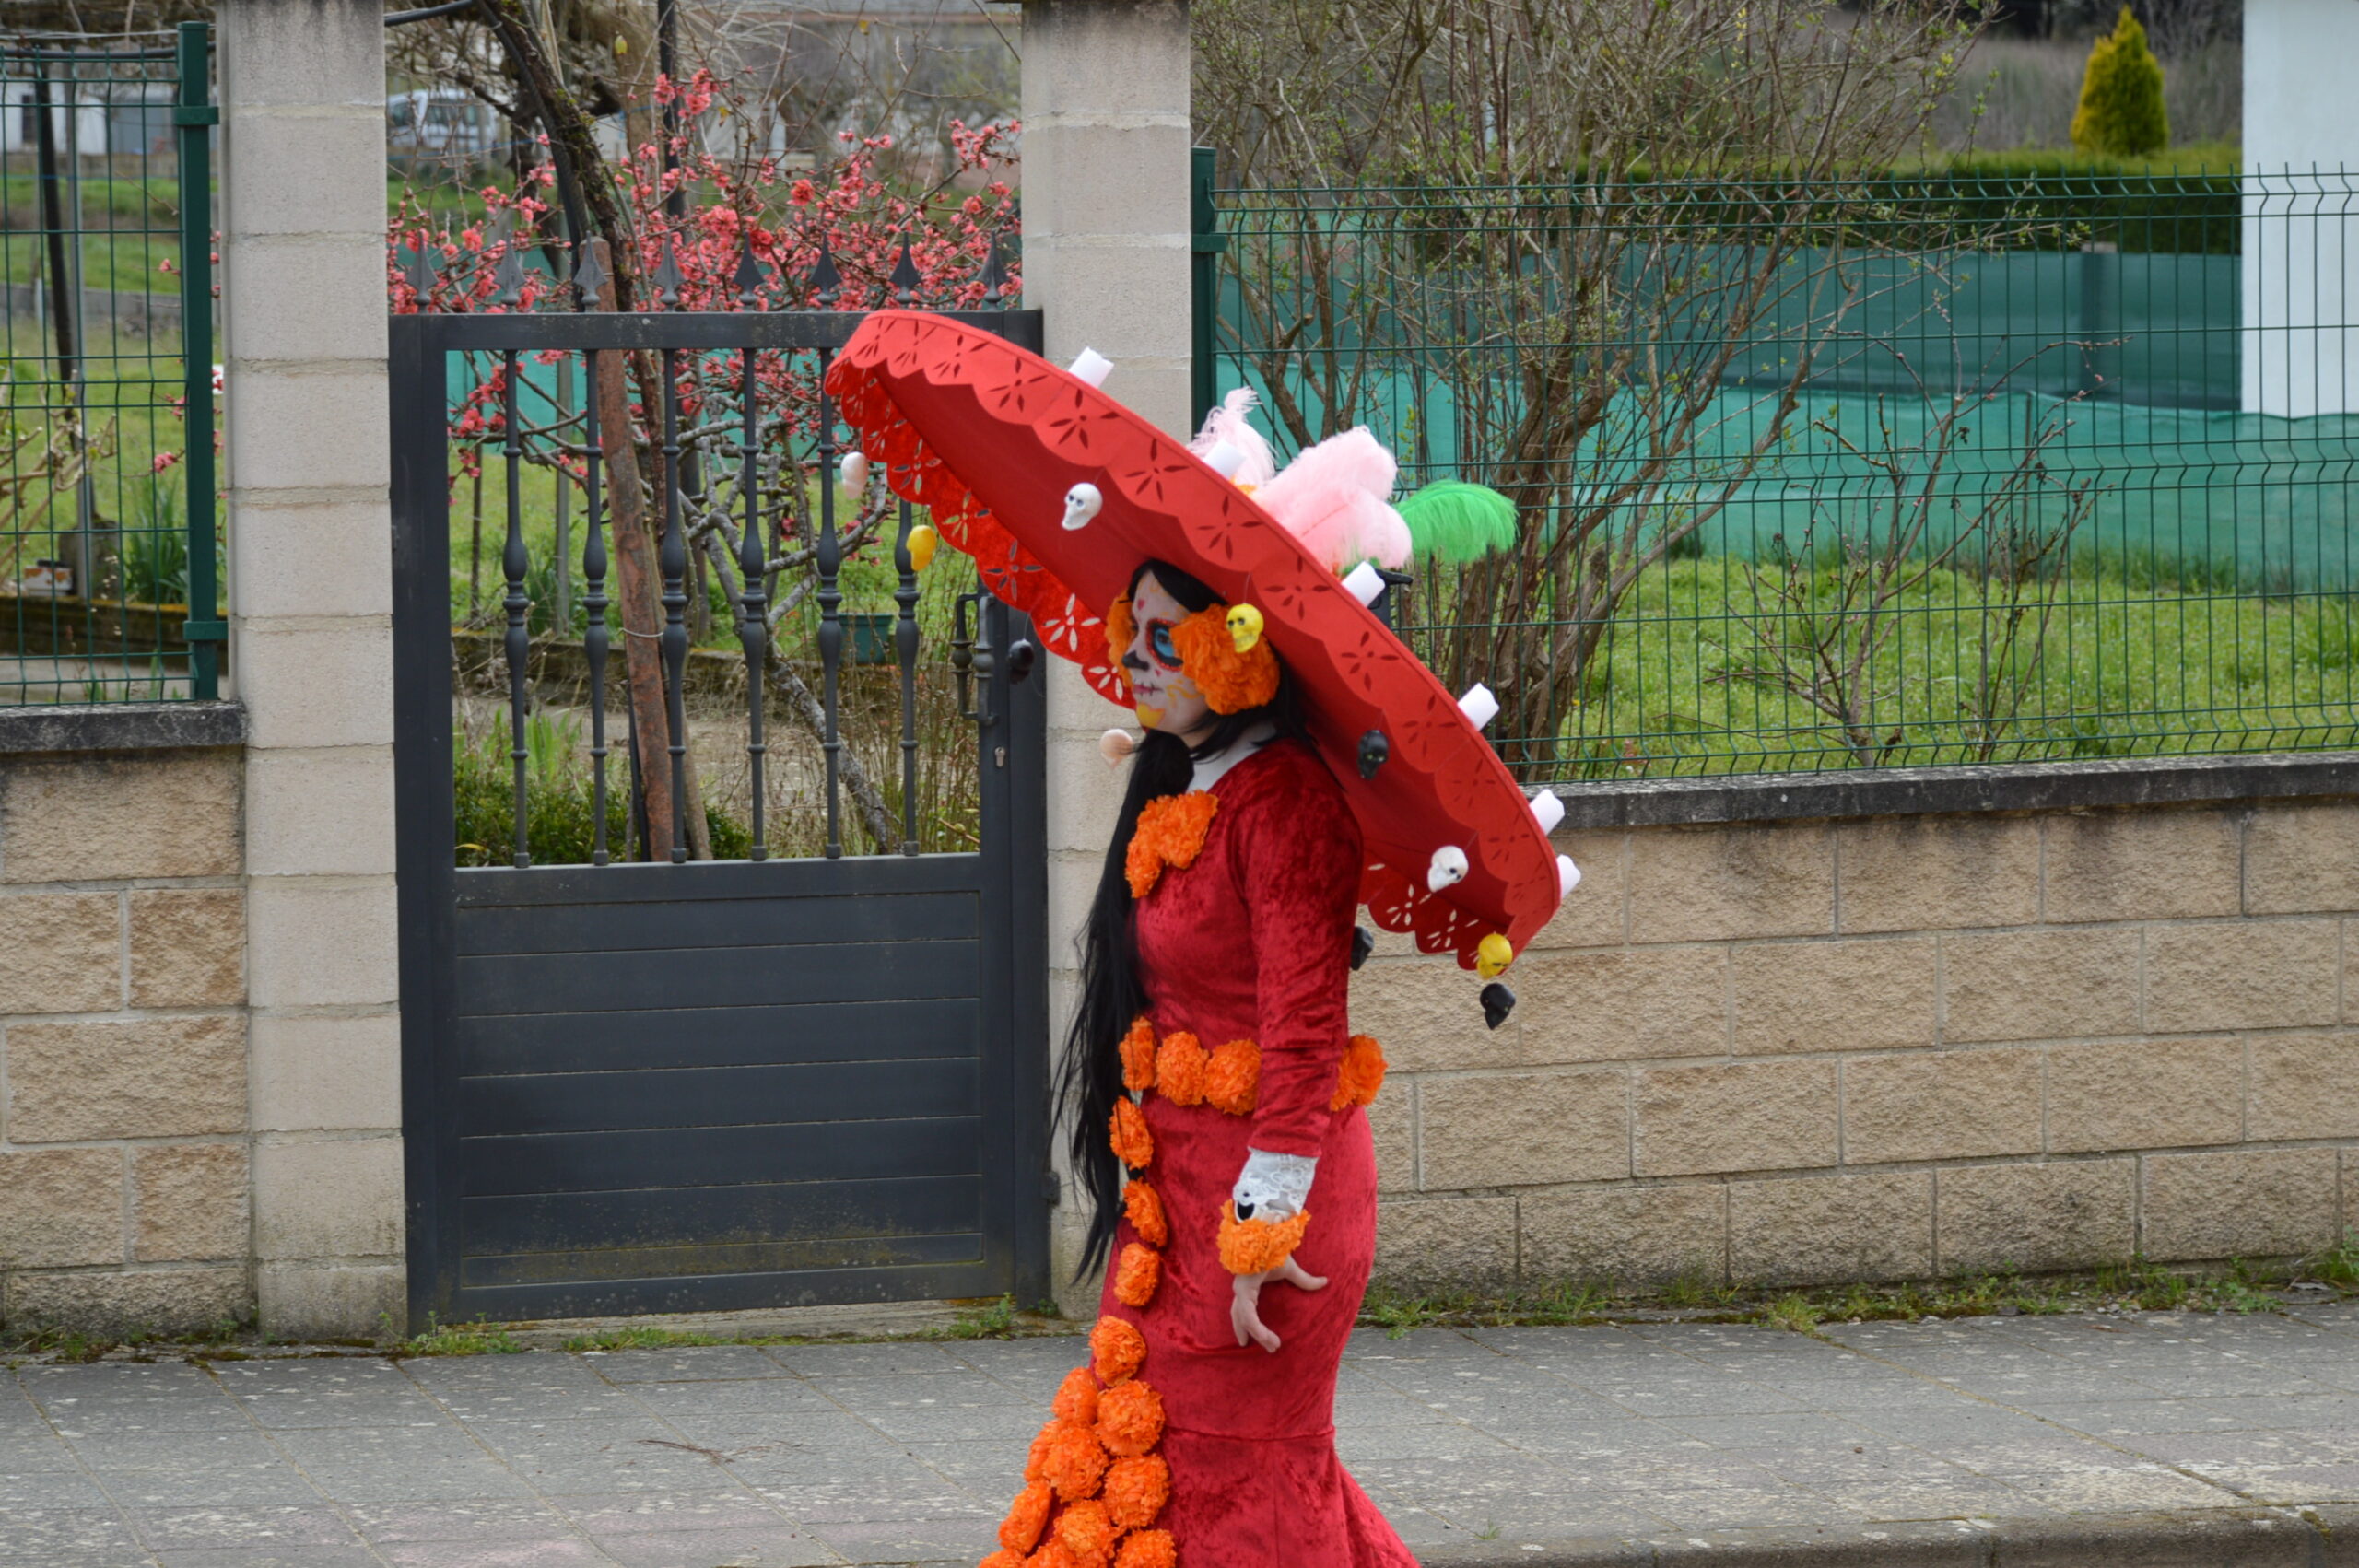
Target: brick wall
(1830, 1050)
(124, 1150)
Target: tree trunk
(639, 590)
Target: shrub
(2122, 107)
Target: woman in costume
(1215, 1091)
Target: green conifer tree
(2122, 111)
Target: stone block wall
(124, 1164)
(1823, 1050)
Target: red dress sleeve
(1299, 878)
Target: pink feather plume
(1337, 497)
(1231, 421)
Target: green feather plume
(1458, 521)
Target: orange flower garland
(1362, 1074)
(1179, 1064)
(1148, 1548)
(1231, 682)
(1118, 1349)
(1136, 1490)
(1020, 1532)
(1138, 1056)
(1087, 1531)
(1076, 1399)
(1133, 1144)
(1253, 1247)
(1136, 1277)
(1170, 832)
(1143, 1206)
(1054, 1553)
(1232, 1078)
(1130, 1419)
(1036, 1463)
(1076, 1461)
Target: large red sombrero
(989, 437)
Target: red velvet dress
(1252, 942)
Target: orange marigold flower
(1020, 1531)
(1118, 1348)
(1148, 1548)
(1170, 832)
(1256, 1246)
(1179, 1068)
(1136, 1490)
(1133, 1144)
(1054, 1553)
(1362, 1074)
(1088, 1532)
(1233, 1077)
(1231, 682)
(1003, 1558)
(1143, 1206)
(1138, 1056)
(1036, 1462)
(1120, 626)
(1137, 1274)
(1130, 1419)
(1076, 1399)
(1076, 1462)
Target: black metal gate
(719, 1084)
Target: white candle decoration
(1568, 875)
(1364, 582)
(1091, 367)
(1547, 809)
(1225, 460)
(1479, 705)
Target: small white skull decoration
(1447, 869)
(1081, 504)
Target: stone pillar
(2300, 267)
(310, 598)
(1106, 253)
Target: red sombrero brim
(989, 437)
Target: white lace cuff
(1273, 1187)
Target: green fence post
(1204, 268)
(195, 116)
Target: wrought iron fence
(109, 568)
(1889, 472)
(701, 636)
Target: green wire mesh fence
(1893, 471)
(109, 558)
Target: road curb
(2231, 1538)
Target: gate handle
(1021, 657)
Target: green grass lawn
(1693, 674)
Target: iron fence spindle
(753, 624)
(593, 601)
(905, 645)
(675, 604)
(828, 556)
(515, 562)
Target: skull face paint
(1165, 696)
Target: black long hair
(1090, 1078)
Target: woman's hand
(1245, 1306)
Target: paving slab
(2142, 1440)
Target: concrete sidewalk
(2146, 1440)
